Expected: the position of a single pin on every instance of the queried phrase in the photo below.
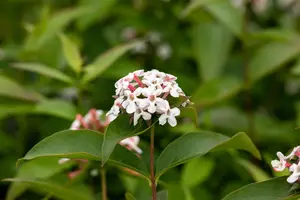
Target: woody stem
(152, 175)
(103, 184)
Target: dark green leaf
(196, 144)
(273, 189)
(191, 113)
(76, 192)
(129, 197)
(43, 70)
(41, 168)
(195, 5)
(83, 144)
(118, 130)
(105, 60)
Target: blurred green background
(239, 60)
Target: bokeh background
(239, 60)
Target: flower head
(291, 162)
(147, 94)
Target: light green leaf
(41, 168)
(162, 195)
(43, 70)
(276, 34)
(99, 10)
(128, 196)
(196, 144)
(271, 57)
(274, 189)
(195, 5)
(227, 14)
(196, 171)
(105, 60)
(257, 173)
(83, 144)
(6, 110)
(118, 130)
(47, 29)
(10, 88)
(216, 90)
(75, 192)
(57, 108)
(71, 52)
(210, 55)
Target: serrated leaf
(56, 107)
(105, 60)
(216, 90)
(43, 70)
(196, 144)
(75, 192)
(207, 37)
(271, 57)
(118, 130)
(71, 53)
(275, 189)
(83, 144)
(10, 88)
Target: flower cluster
(291, 162)
(92, 120)
(145, 94)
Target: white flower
(279, 165)
(143, 94)
(140, 113)
(130, 104)
(94, 172)
(295, 168)
(295, 152)
(164, 51)
(63, 160)
(170, 117)
(131, 143)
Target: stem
(103, 184)
(152, 178)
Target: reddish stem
(131, 88)
(153, 184)
(81, 120)
(138, 81)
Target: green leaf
(271, 57)
(257, 173)
(128, 196)
(227, 14)
(191, 177)
(10, 88)
(41, 168)
(195, 5)
(105, 60)
(207, 38)
(71, 52)
(47, 29)
(99, 10)
(196, 144)
(14, 109)
(276, 34)
(75, 192)
(190, 112)
(162, 195)
(275, 189)
(216, 90)
(43, 70)
(83, 144)
(56, 108)
(118, 130)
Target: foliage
(239, 65)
